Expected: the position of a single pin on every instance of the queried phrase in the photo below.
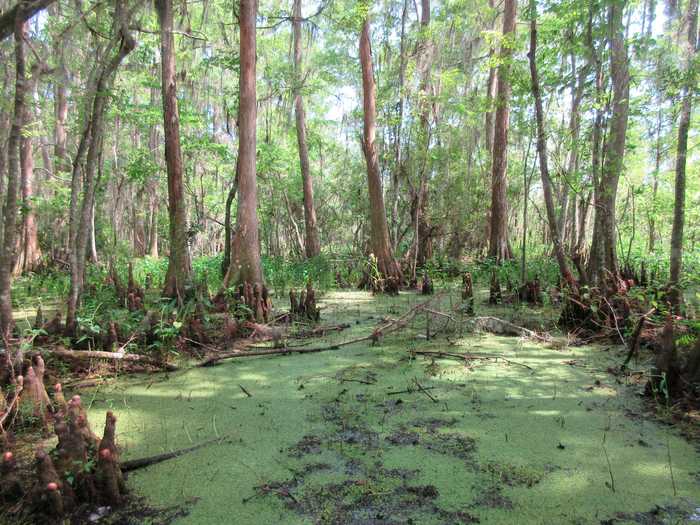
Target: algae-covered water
(373, 435)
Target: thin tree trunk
(5, 124)
(397, 173)
(381, 246)
(93, 239)
(29, 253)
(491, 85)
(245, 254)
(152, 184)
(655, 186)
(179, 272)
(312, 243)
(542, 152)
(676, 295)
(421, 227)
(226, 262)
(13, 176)
(499, 247)
(604, 238)
(60, 151)
(89, 148)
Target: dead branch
(422, 389)
(135, 464)
(501, 327)
(470, 357)
(388, 327)
(118, 356)
(633, 344)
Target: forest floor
(378, 435)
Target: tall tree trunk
(651, 214)
(13, 176)
(29, 253)
(312, 243)
(152, 183)
(85, 163)
(578, 84)
(5, 124)
(381, 247)
(60, 87)
(245, 252)
(491, 85)
(397, 173)
(421, 227)
(676, 296)
(604, 239)
(499, 247)
(226, 262)
(179, 272)
(555, 233)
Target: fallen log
(498, 326)
(388, 327)
(470, 357)
(135, 464)
(241, 352)
(115, 356)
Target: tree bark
(491, 85)
(555, 233)
(603, 244)
(381, 247)
(423, 228)
(245, 253)
(499, 247)
(675, 295)
(60, 87)
(152, 183)
(29, 252)
(398, 171)
(13, 176)
(312, 244)
(179, 272)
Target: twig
(670, 465)
(245, 391)
(351, 380)
(612, 479)
(408, 391)
(439, 314)
(10, 408)
(617, 327)
(424, 391)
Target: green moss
(501, 443)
